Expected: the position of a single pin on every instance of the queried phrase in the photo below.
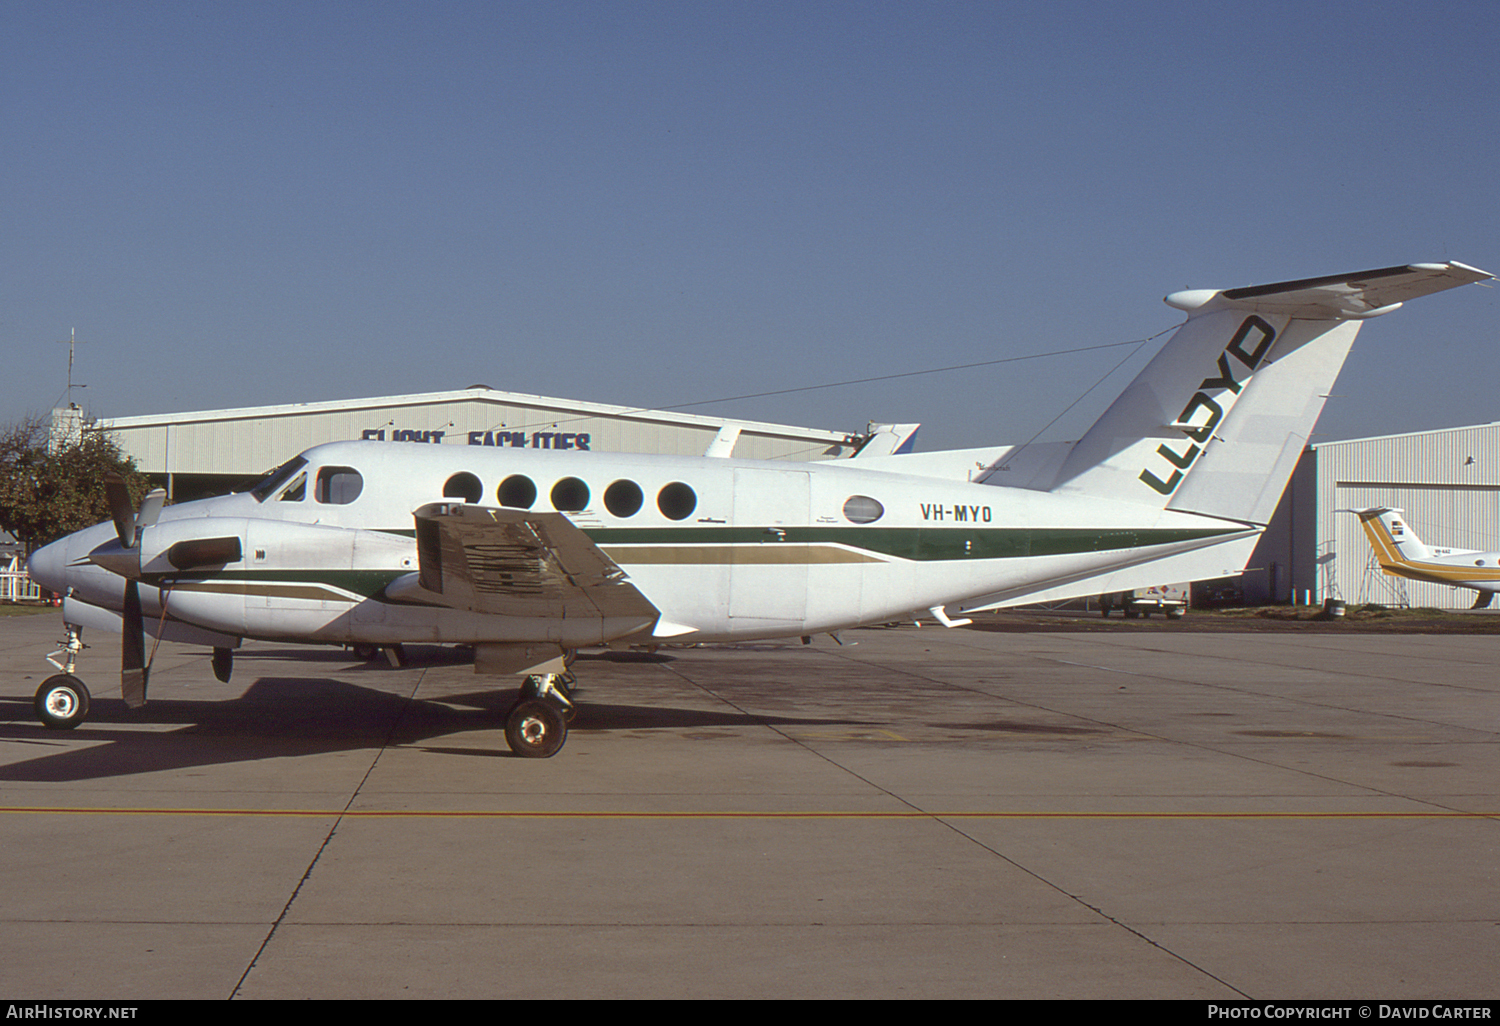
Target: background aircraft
(528, 555)
(1402, 554)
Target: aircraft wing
(514, 562)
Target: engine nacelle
(270, 578)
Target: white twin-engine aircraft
(1402, 554)
(529, 555)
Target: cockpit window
(296, 491)
(339, 486)
(274, 479)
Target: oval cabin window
(861, 509)
(623, 498)
(465, 486)
(677, 501)
(570, 495)
(517, 491)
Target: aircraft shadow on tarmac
(432, 655)
(286, 717)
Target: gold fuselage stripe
(764, 555)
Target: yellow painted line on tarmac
(738, 814)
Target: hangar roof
(247, 440)
(477, 394)
(1431, 432)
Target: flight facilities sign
(505, 439)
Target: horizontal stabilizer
(1356, 296)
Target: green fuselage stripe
(923, 544)
(919, 544)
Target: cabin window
(339, 486)
(465, 486)
(676, 501)
(861, 509)
(517, 491)
(570, 495)
(623, 498)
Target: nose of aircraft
(47, 566)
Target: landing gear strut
(537, 725)
(62, 702)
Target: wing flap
(514, 562)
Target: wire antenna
(70, 342)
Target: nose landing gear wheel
(62, 702)
(535, 729)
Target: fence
(15, 586)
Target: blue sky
(658, 204)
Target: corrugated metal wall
(244, 442)
(1447, 481)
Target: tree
(50, 488)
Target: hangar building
(210, 451)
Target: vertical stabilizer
(1217, 420)
(1393, 541)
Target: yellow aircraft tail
(1395, 543)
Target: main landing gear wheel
(62, 702)
(536, 729)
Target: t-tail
(1395, 543)
(1216, 421)
(1401, 553)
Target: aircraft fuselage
(725, 549)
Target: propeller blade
(133, 650)
(120, 509)
(151, 506)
